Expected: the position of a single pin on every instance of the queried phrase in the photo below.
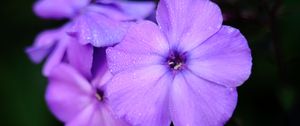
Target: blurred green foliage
(269, 98)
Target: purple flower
(104, 23)
(78, 102)
(99, 23)
(184, 70)
(119, 9)
(52, 43)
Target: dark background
(269, 98)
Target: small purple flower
(184, 70)
(78, 102)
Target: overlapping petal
(197, 102)
(225, 58)
(187, 23)
(140, 96)
(51, 43)
(98, 30)
(43, 45)
(143, 45)
(96, 115)
(69, 94)
(81, 57)
(59, 9)
(136, 9)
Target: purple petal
(143, 45)
(225, 58)
(196, 102)
(96, 115)
(140, 96)
(101, 74)
(43, 45)
(98, 29)
(58, 53)
(110, 10)
(136, 10)
(81, 57)
(187, 23)
(68, 93)
(59, 9)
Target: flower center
(176, 61)
(99, 95)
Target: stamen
(176, 61)
(99, 95)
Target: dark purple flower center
(100, 95)
(176, 61)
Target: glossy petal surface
(196, 102)
(143, 45)
(140, 96)
(98, 30)
(187, 23)
(225, 58)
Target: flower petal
(98, 29)
(59, 9)
(143, 45)
(196, 102)
(57, 55)
(187, 23)
(225, 58)
(68, 93)
(136, 9)
(96, 115)
(140, 96)
(101, 74)
(81, 57)
(43, 45)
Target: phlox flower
(185, 69)
(92, 23)
(78, 101)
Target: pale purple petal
(81, 57)
(98, 29)
(96, 114)
(196, 102)
(43, 45)
(59, 9)
(187, 23)
(143, 45)
(110, 10)
(225, 58)
(140, 96)
(136, 9)
(57, 54)
(68, 93)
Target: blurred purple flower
(100, 23)
(186, 69)
(119, 9)
(76, 101)
(50, 42)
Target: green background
(269, 98)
